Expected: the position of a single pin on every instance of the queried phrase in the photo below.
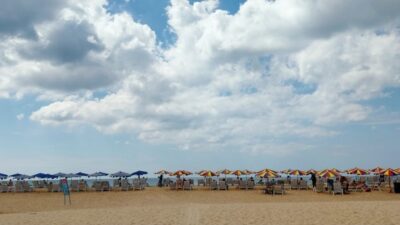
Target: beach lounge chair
(214, 185)
(250, 184)
(105, 186)
(242, 185)
(337, 188)
(172, 186)
(303, 185)
(320, 186)
(82, 186)
(201, 182)
(26, 187)
(187, 185)
(19, 187)
(126, 186)
(137, 185)
(294, 185)
(278, 189)
(74, 185)
(3, 188)
(222, 185)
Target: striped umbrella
(248, 172)
(329, 174)
(336, 170)
(200, 172)
(286, 171)
(397, 170)
(297, 173)
(311, 171)
(389, 172)
(181, 173)
(163, 172)
(267, 173)
(357, 171)
(377, 170)
(224, 171)
(238, 173)
(208, 173)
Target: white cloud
(249, 81)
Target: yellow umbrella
(267, 173)
(297, 173)
(357, 171)
(286, 171)
(248, 172)
(208, 173)
(329, 174)
(238, 173)
(336, 170)
(181, 173)
(224, 171)
(397, 170)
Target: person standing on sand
(314, 182)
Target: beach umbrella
(357, 171)
(163, 172)
(389, 172)
(297, 173)
(267, 173)
(3, 176)
(336, 170)
(19, 176)
(139, 173)
(397, 170)
(120, 174)
(377, 170)
(60, 174)
(80, 174)
(238, 173)
(329, 174)
(287, 171)
(311, 171)
(43, 176)
(98, 174)
(181, 173)
(200, 172)
(224, 171)
(208, 173)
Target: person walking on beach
(160, 180)
(314, 182)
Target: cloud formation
(250, 81)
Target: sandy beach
(163, 206)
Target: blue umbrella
(3, 176)
(120, 174)
(139, 173)
(98, 174)
(60, 174)
(19, 176)
(43, 176)
(82, 174)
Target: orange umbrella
(357, 171)
(208, 173)
(397, 170)
(162, 172)
(181, 173)
(238, 173)
(200, 172)
(377, 170)
(297, 173)
(224, 171)
(329, 174)
(248, 172)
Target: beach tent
(139, 173)
(120, 174)
(19, 176)
(3, 176)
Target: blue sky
(154, 84)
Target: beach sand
(163, 206)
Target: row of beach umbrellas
(272, 173)
(19, 176)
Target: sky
(176, 84)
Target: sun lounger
(294, 185)
(83, 186)
(187, 185)
(26, 187)
(126, 186)
(278, 189)
(214, 185)
(250, 184)
(74, 185)
(320, 186)
(172, 186)
(242, 185)
(19, 187)
(3, 188)
(303, 185)
(201, 182)
(222, 185)
(337, 188)
(137, 185)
